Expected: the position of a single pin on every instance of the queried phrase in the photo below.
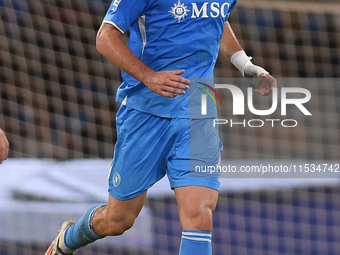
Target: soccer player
(4, 146)
(172, 45)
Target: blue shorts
(148, 147)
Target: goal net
(58, 110)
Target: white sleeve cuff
(113, 24)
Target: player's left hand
(4, 146)
(261, 79)
(265, 84)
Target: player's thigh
(199, 148)
(139, 154)
(196, 205)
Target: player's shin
(81, 232)
(195, 242)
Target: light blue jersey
(170, 35)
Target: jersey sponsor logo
(115, 5)
(207, 10)
(179, 11)
(213, 10)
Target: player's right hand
(4, 146)
(167, 83)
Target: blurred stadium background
(58, 108)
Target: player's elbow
(102, 38)
(100, 42)
(107, 37)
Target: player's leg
(196, 193)
(196, 206)
(118, 216)
(99, 221)
(110, 220)
(138, 163)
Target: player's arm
(4, 146)
(231, 49)
(111, 46)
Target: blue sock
(195, 242)
(81, 233)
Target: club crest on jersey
(115, 5)
(116, 179)
(208, 10)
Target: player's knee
(199, 218)
(203, 219)
(118, 226)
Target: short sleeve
(123, 13)
(231, 7)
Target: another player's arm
(231, 49)
(111, 46)
(4, 146)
